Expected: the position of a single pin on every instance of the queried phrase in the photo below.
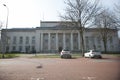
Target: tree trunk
(82, 43)
(3, 56)
(105, 45)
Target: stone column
(79, 41)
(64, 43)
(41, 42)
(48, 41)
(56, 41)
(71, 41)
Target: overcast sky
(28, 13)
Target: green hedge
(111, 52)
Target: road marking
(89, 78)
(37, 78)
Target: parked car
(93, 54)
(66, 54)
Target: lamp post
(6, 38)
(7, 15)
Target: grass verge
(118, 55)
(46, 56)
(53, 56)
(9, 55)
(13, 55)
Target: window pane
(33, 40)
(20, 48)
(21, 40)
(14, 40)
(27, 40)
(14, 48)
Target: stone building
(51, 37)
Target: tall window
(60, 40)
(27, 40)
(75, 41)
(33, 40)
(87, 42)
(67, 40)
(92, 43)
(99, 47)
(98, 40)
(111, 39)
(33, 49)
(93, 40)
(13, 48)
(14, 40)
(7, 48)
(112, 47)
(20, 48)
(21, 40)
(9, 39)
(27, 48)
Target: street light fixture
(6, 37)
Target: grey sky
(28, 13)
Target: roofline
(54, 21)
(20, 29)
(49, 28)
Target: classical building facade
(50, 37)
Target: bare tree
(3, 39)
(81, 13)
(106, 24)
(117, 10)
(1, 24)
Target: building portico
(54, 40)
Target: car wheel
(61, 56)
(70, 57)
(100, 57)
(92, 57)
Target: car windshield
(94, 50)
(65, 50)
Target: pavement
(26, 68)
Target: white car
(65, 54)
(93, 54)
